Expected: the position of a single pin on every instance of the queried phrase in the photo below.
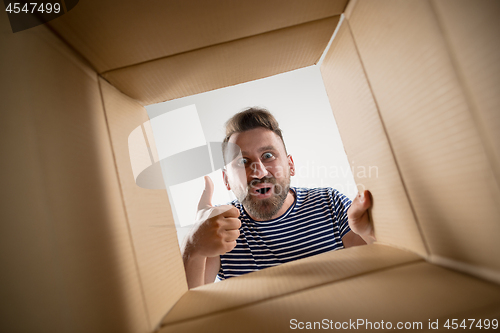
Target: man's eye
(242, 161)
(267, 155)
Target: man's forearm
(368, 239)
(194, 267)
(351, 239)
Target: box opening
(299, 102)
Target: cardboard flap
(148, 211)
(444, 158)
(225, 64)
(115, 34)
(67, 259)
(286, 279)
(471, 29)
(415, 294)
(367, 146)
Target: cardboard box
(414, 89)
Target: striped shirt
(314, 223)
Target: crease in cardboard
(138, 272)
(226, 64)
(443, 158)
(323, 55)
(350, 8)
(53, 39)
(326, 268)
(157, 251)
(389, 141)
(109, 71)
(365, 141)
(184, 26)
(295, 292)
(472, 270)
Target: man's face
(260, 176)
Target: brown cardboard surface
(349, 8)
(83, 248)
(471, 30)
(416, 292)
(432, 129)
(115, 34)
(285, 279)
(65, 252)
(225, 64)
(148, 212)
(367, 146)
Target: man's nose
(258, 170)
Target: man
(269, 223)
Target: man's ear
(224, 178)
(291, 165)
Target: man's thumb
(206, 196)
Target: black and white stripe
(315, 223)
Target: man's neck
(290, 198)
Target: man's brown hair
(249, 119)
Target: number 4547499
(33, 7)
(471, 323)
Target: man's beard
(265, 209)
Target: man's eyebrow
(261, 149)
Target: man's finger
(229, 246)
(360, 204)
(226, 211)
(206, 196)
(231, 235)
(232, 223)
(231, 212)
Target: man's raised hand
(216, 228)
(358, 217)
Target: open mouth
(264, 190)
(261, 190)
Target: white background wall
(299, 102)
